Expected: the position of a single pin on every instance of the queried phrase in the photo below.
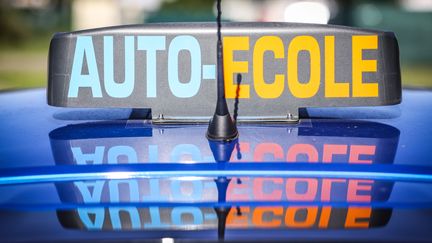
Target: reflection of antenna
(221, 127)
(222, 212)
(222, 153)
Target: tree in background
(184, 10)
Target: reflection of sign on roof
(244, 217)
(323, 141)
(254, 202)
(170, 68)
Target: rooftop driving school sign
(270, 69)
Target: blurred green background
(27, 26)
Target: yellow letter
(309, 89)
(332, 89)
(359, 66)
(231, 44)
(263, 89)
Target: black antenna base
(222, 128)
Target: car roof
(48, 155)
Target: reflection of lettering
(327, 153)
(92, 218)
(192, 217)
(91, 192)
(239, 189)
(82, 159)
(178, 213)
(309, 153)
(146, 190)
(132, 218)
(114, 155)
(300, 189)
(131, 212)
(299, 217)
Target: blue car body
(340, 174)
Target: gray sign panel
(271, 69)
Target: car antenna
(221, 127)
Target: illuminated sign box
(271, 69)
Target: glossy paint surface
(91, 174)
